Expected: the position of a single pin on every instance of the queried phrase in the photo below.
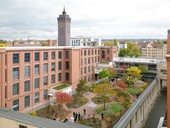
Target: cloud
(97, 18)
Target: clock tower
(64, 26)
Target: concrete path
(89, 109)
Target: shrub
(34, 113)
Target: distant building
(153, 50)
(85, 41)
(64, 29)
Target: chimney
(49, 43)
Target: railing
(125, 119)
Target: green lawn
(111, 109)
(61, 87)
(133, 89)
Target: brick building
(29, 73)
(168, 78)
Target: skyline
(108, 19)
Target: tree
(81, 86)
(61, 98)
(114, 42)
(108, 44)
(103, 90)
(134, 74)
(104, 73)
(122, 84)
(143, 68)
(112, 71)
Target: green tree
(108, 44)
(134, 74)
(81, 87)
(143, 68)
(104, 90)
(115, 42)
(104, 73)
(112, 71)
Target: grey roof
(37, 121)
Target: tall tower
(64, 26)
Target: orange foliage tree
(61, 98)
(122, 84)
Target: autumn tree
(122, 84)
(115, 42)
(108, 44)
(134, 74)
(61, 98)
(112, 71)
(81, 87)
(104, 73)
(104, 90)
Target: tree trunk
(104, 103)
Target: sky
(105, 19)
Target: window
(45, 68)
(108, 51)
(27, 57)
(81, 71)
(98, 58)
(53, 55)
(59, 54)
(53, 66)
(36, 97)
(88, 68)
(22, 126)
(85, 78)
(26, 85)
(103, 54)
(45, 80)
(92, 51)
(16, 105)
(88, 78)
(59, 65)
(45, 94)
(59, 76)
(36, 56)
(84, 60)
(27, 71)
(15, 58)
(36, 69)
(53, 78)
(67, 54)
(27, 101)
(81, 61)
(88, 52)
(67, 64)
(88, 60)
(92, 59)
(15, 73)
(95, 59)
(84, 52)
(98, 51)
(84, 69)
(36, 83)
(95, 51)
(15, 88)
(67, 76)
(45, 55)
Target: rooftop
(37, 121)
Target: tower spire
(64, 12)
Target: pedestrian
(102, 115)
(84, 111)
(78, 115)
(74, 114)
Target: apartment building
(85, 41)
(29, 73)
(153, 50)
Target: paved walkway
(90, 108)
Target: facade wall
(76, 64)
(7, 123)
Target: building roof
(49, 47)
(37, 121)
(138, 60)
